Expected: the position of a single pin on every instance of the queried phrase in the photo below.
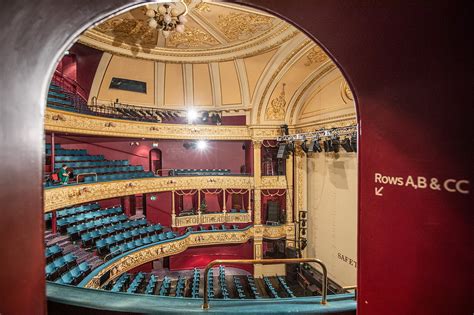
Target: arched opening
(372, 233)
(155, 162)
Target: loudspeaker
(282, 151)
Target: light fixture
(155, 144)
(168, 18)
(192, 115)
(201, 145)
(346, 144)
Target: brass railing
(324, 284)
(348, 288)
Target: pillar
(289, 185)
(257, 173)
(173, 209)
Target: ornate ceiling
(215, 31)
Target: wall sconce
(136, 143)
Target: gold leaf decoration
(203, 7)
(192, 37)
(242, 25)
(277, 108)
(315, 56)
(129, 31)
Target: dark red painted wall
(87, 60)
(200, 256)
(219, 154)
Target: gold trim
(274, 182)
(212, 218)
(66, 196)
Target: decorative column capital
(257, 144)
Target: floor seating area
(199, 172)
(91, 168)
(220, 285)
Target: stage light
(335, 144)
(305, 147)
(284, 130)
(205, 116)
(201, 145)
(346, 144)
(192, 115)
(354, 143)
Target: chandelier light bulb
(180, 28)
(150, 13)
(182, 19)
(174, 12)
(162, 9)
(167, 18)
(152, 23)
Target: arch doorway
(155, 161)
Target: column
(173, 209)
(258, 250)
(299, 203)
(257, 175)
(289, 185)
(224, 206)
(53, 152)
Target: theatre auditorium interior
(217, 157)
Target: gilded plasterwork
(237, 26)
(129, 31)
(274, 182)
(346, 93)
(277, 108)
(90, 125)
(192, 37)
(315, 56)
(55, 198)
(158, 251)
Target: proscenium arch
(47, 47)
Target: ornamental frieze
(65, 196)
(274, 182)
(93, 125)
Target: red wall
(159, 210)
(200, 256)
(220, 154)
(87, 61)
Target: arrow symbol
(378, 191)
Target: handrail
(349, 287)
(324, 284)
(73, 86)
(92, 173)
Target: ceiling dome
(215, 31)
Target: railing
(324, 289)
(349, 288)
(69, 85)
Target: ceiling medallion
(167, 18)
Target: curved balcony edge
(145, 304)
(56, 120)
(65, 196)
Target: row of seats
(59, 265)
(210, 284)
(180, 287)
(52, 252)
(76, 230)
(223, 227)
(75, 275)
(131, 245)
(150, 287)
(139, 230)
(120, 283)
(106, 163)
(287, 289)
(198, 172)
(78, 158)
(64, 222)
(195, 283)
(270, 287)
(237, 211)
(58, 98)
(223, 283)
(136, 283)
(253, 287)
(113, 169)
(77, 210)
(118, 176)
(93, 236)
(239, 288)
(165, 287)
(59, 152)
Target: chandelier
(168, 18)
